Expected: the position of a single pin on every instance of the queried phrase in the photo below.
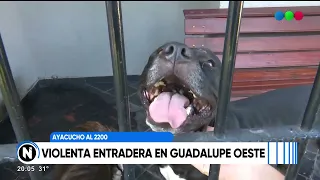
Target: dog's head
(178, 88)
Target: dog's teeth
(156, 93)
(160, 83)
(196, 104)
(203, 108)
(146, 94)
(189, 110)
(194, 96)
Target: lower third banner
(157, 152)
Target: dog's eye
(211, 63)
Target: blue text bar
(111, 137)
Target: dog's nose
(177, 51)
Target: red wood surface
(280, 59)
(283, 74)
(273, 84)
(248, 92)
(260, 44)
(252, 25)
(271, 54)
(250, 12)
(247, 89)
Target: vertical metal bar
(11, 100)
(308, 120)
(313, 104)
(115, 27)
(228, 63)
(116, 38)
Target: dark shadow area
(59, 108)
(59, 104)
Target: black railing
(228, 63)
(11, 100)
(114, 15)
(115, 27)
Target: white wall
(70, 39)
(21, 59)
(248, 4)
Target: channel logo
(27, 151)
(288, 15)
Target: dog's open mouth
(173, 103)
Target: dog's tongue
(169, 108)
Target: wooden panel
(261, 85)
(244, 92)
(257, 81)
(250, 12)
(284, 74)
(281, 59)
(260, 44)
(252, 25)
(275, 59)
(237, 95)
(248, 93)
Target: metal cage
(114, 15)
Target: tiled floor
(57, 105)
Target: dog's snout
(175, 51)
(170, 50)
(185, 52)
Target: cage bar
(11, 100)
(228, 63)
(117, 50)
(115, 27)
(308, 121)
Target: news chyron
(150, 148)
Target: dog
(179, 92)
(88, 171)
